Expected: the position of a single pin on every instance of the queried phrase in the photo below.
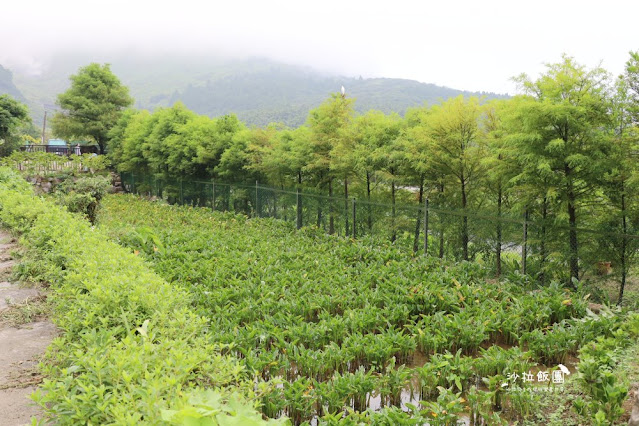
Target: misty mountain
(7, 87)
(286, 94)
(257, 90)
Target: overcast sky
(471, 45)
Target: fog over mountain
(257, 90)
(465, 44)
(210, 55)
(7, 86)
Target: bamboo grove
(561, 154)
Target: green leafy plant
(210, 408)
(83, 195)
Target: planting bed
(347, 330)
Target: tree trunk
(346, 206)
(419, 216)
(331, 219)
(101, 146)
(441, 227)
(574, 257)
(464, 231)
(299, 200)
(275, 204)
(368, 198)
(394, 234)
(499, 225)
(624, 243)
(542, 247)
(572, 220)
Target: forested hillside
(258, 91)
(280, 93)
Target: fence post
(346, 230)
(299, 208)
(274, 202)
(524, 248)
(425, 226)
(213, 189)
(354, 216)
(257, 203)
(181, 193)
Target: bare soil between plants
(22, 345)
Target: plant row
(320, 310)
(131, 349)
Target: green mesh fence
(451, 233)
(504, 242)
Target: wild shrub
(83, 195)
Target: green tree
(117, 134)
(631, 80)
(621, 184)
(217, 135)
(165, 148)
(328, 124)
(13, 114)
(456, 146)
(423, 164)
(92, 105)
(562, 125)
(235, 160)
(370, 132)
(264, 155)
(389, 158)
(500, 166)
(416, 168)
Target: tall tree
(369, 133)
(631, 80)
(621, 184)
(217, 136)
(128, 147)
(327, 123)
(414, 142)
(13, 114)
(563, 122)
(164, 145)
(456, 146)
(500, 166)
(92, 105)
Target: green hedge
(130, 345)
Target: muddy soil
(21, 345)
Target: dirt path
(24, 336)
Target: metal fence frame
(424, 226)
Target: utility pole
(44, 125)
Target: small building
(57, 142)
(58, 146)
(62, 147)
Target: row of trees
(561, 153)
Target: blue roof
(57, 142)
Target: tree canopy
(92, 106)
(13, 114)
